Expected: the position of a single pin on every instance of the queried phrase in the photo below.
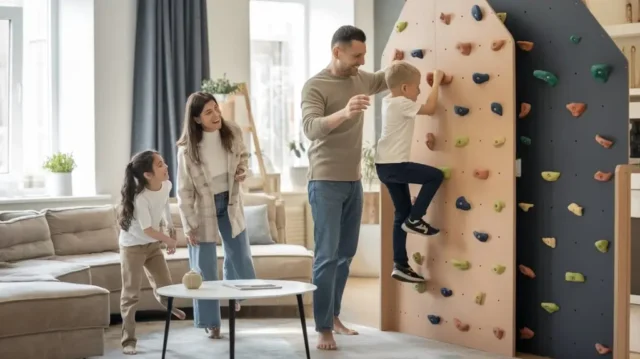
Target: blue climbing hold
(446, 292)
(463, 204)
(481, 236)
(496, 108)
(480, 78)
(417, 53)
(476, 12)
(434, 319)
(460, 111)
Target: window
(26, 121)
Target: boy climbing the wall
(396, 171)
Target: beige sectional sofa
(60, 276)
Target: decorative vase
(221, 97)
(59, 184)
(192, 280)
(298, 177)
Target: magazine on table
(252, 285)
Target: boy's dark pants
(397, 177)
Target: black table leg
(166, 325)
(232, 328)
(303, 321)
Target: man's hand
(357, 104)
(192, 237)
(171, 249)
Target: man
(333, 105)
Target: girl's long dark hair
(134, 182)
(192, 131)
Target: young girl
(145, 201)
(212, 161)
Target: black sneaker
(419, 227)
(406, 274)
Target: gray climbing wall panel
(563, 143)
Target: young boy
(399, 110)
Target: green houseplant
(298, 173)
(60, 167)
(221, 88)
(368, 164)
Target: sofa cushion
(7, 215)
(64, 272)
(51, 306)
(82, 230)
(257, 222)
(257, 199)
(104, 268)
(25, 237)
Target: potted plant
(58, 181)
(298, 173)
(369, 174)
(220, 88)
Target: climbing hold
(601, 72)
(526, 333)
(575, 209)
(525, 140)
(575, 39)
(499, 141)
(550, 176)
(462, 265)
(476, 12)
(546, 76)
(481, 236)
(462, 141)
(482, 174)
(498, 332)
(446, 171)
(460, 110)
(398, 55)
(502, 16)
(525, 206)
(549, 241)
(526, 271)
(525, 108)
(498, 206)
(420, 287)
(576, 108)
(602, 350)
(496, 108)
(434, 319)
(431, 141)
(464, 48)
(463, 327)
(480, 298)
(525, 45)
(480, 78)
(574, 277)
(446, 292)
(497, 44)
(463, 204)
(550, 307)
(602, 176)
(602, 245)
(498, 269)
(446, 79)
(445, 18)
(401, 25)
(604, 142)
(418, 258)
(419, 53)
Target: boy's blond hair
(400, 73)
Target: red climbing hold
(445, 18)
(482, 174)
(526, 333)
(603, 176)
(446, 79)
(498, 332)
(463, 327)
(604, 142)
(398, 55)
(525, 45)
(497, 45)
(576, 108)
(525, 108)
(464, 48)
(602, 350)
(431, 141)
(527, 271)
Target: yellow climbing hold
(460, 264)
(462, 141)
(420, 287)
(602, 245)
(550, 176)
(446, 171)
(575, 209)
(418, 258)
(401, 25)
(499, 141)
(480, 298)
(550, 241)
(574, 277)
(502, 16)
(525, 206)
(499, 269)
(550, 307)
(498, 206)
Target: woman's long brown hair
(192, 131)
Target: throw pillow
(257, 222)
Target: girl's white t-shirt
(150, 207)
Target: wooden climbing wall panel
(404, 309)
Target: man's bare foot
(129, 349)
(339, 328)
(179, 314)
(214, 333)
(237, 306)
(326, 341)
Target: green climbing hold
(574, 277)
(420, 287)
(498, 206)
(498, 269)
(575, 39)
(550, 307)
(602, 245)
(525, 140)
(446, 171)
(546, 76)
(401, 25)
(463, 265)
(418, 258)
(462, 141)
(601, 72)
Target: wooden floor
(361, 305)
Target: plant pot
(221, 97)
(59, 184)
(298, 177)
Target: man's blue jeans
(337, 211)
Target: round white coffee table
(221, 290)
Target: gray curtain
(171, 60)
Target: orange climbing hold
(604, 142)
(525, 108)
(527, 271)
(602, 350)
(446, 79)
(464, 48)
(577, 108)
(603, 176)
(498, 332)
(445, 18)
(498, 44)
(463, 327)
(526, 333)
(481, 174)
(431, 141)
(525, 45)
(398, 55)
